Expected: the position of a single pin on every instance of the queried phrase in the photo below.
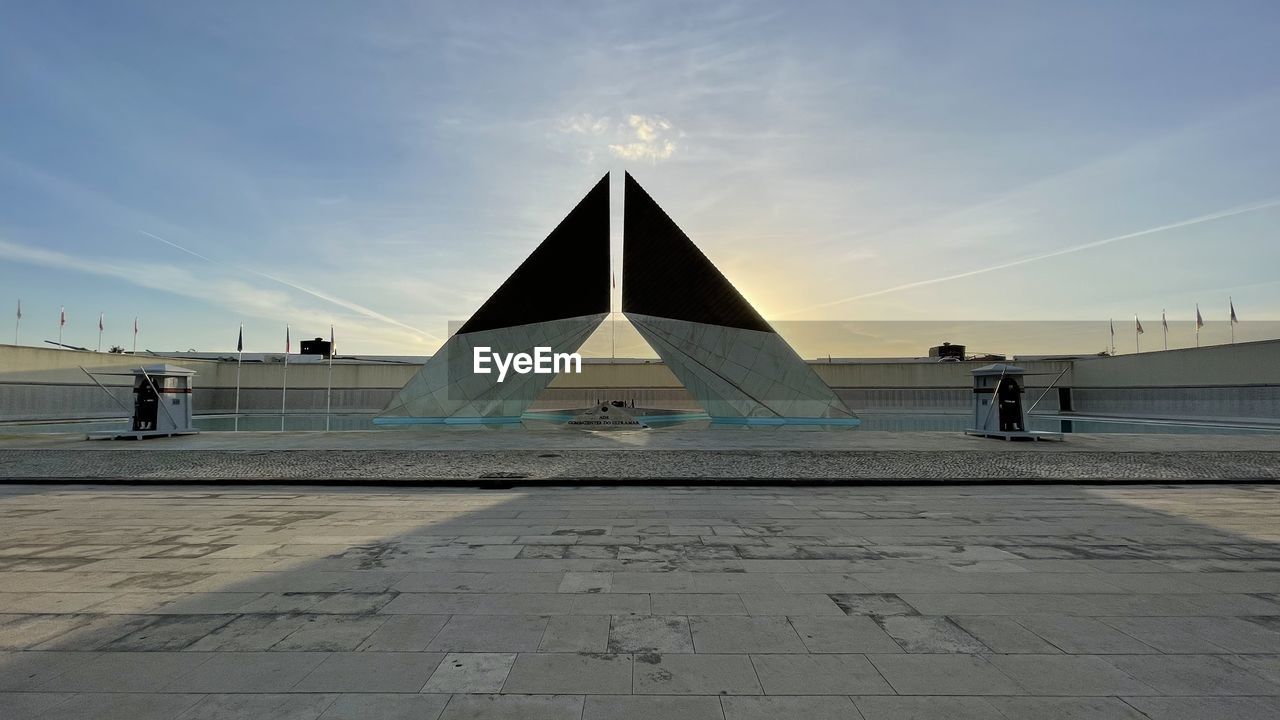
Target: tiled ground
(590, 603)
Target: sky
(381, 167)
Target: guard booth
(162, 401)
(998, 393)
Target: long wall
(48, 384)
(1236, 381)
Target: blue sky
(383, 166)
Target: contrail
(354, 307)
(1056, 253)
(185, 250)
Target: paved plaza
(592, 603)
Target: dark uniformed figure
(1009, 395)
(146, 408)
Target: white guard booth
(162, 400)
(997, 405)
(161, 403)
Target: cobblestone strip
(625, 464)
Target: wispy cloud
(648, 138)
(327, 297)
(1231, 212)
(652, 140)
(231, 293)
(585, 124)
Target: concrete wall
(47, 384)
(357, 387)
(1236, 381)
(865, 386)
(1240, 382)
(929, 387)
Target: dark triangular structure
(667, 276)
(566, 276)
(555, 299)
(731, 360)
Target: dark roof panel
(665, 275)
(566, 276)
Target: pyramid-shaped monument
(724, 353)
(555, 299)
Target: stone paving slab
(874, 602)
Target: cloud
(651, 142)
(231, 293)
(340, 302)
(649, 138)
(585, 124)
(1221, 214)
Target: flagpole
(17, 324)
(1137, 344)
(62, 320)
(135, 336)
(328, 390)
(613, 320)
(284, 380)
(1232, 303)
(1197, 324)
(1164, 324)
(99, 332)
(239, 361)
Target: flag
(99, 322)
(1113, 331)
(332, 345)
(19, 309)
(62, 315)
(1139, 322)
(287, 345)
(1199, 319)
(240, 340)
(1164, 322)
(1234, 320)
(135, 327)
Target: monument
(732, 361)
(726, 355)
(555, 299)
